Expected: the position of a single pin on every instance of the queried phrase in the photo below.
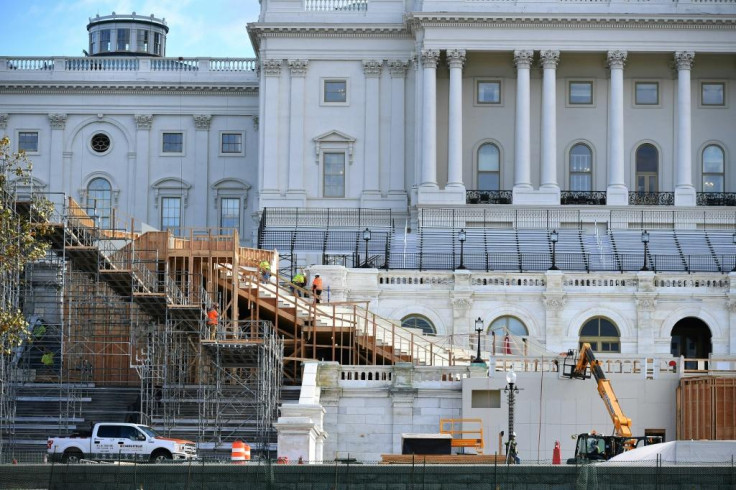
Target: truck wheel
(72, 456)
(161, 456)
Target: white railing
(233, 64)
(336, 5)
(101, 64)
(174, 64)
(120, 63)
(29, 63)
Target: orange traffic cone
(556, 456)
(238, 454)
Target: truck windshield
(149, 432)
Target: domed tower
(127, 35)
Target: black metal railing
(589, 198)
(535, 262)
(715, 199)
(652, 198)
(488, 197)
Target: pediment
(334, 136)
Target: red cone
(556, 456)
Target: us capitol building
(543, 173)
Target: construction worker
(47, 359)
(299, 281)
(213, 319)
(317, 288)
(265, 267)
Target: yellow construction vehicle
(593, 446)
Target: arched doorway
(691, 338)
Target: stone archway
(691, 338)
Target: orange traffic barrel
(238, 454)
(282, 460)
(246, 452)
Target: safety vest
(212, 317)
(317, 283)
(299, 279)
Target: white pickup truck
(120, 442)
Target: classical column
(58, 123)
(429, 121)
(202, 167)
(397, 69)
(684, 190)
(455, 59)
(298, 70)
(522, 140)
(550, 58)
(143, 124)
(372, 148)
(617, 193)
(268, 161)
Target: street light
(553, 237)
(645, 241)
(511, 390)
(479, 329)
(367, 238)
(461, 237)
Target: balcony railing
(488, 197)
(336, 5)
(590, 198)
(126, 63)
(715, 199)
(652, 198)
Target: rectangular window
(230, 213)
(108, 431)
(713, 94)
(646, 93)
(105, 41)
(173, 143)
(171, 214)
(488, 92)
(123, 40)
(581, 93)
(335, 91)
(232, 143)
(334, 170)
(91, 43)
(142, 41)
(485, 399)
(28, 141)
(156, 43)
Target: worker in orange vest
(317, 288)
(213, 318)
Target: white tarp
(681, 452)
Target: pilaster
(397, 150)
(143, 125)
(371, 195)
(202, 157)
(58, 123)
(296, 163)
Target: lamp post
(734, 259)
(478, 329)
(511, 390)
(367, 238)
(553, 237)
(645, 241)
(461, 238)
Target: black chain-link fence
(220, 473)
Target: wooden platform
(443, 459)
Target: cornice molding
(571, 20)
(148, 89)
(384, 31)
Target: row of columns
(617, 192)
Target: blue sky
(214, 28)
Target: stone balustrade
(131, 63)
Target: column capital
(616, 58)
(298, 68)
(143, 121)
(455, 58)
(4, 120)
(202, 121)
(58, 121)
(397, 68)
(430, 57)
(272, 68)
(372, 68)
(523, 58)
(684, 59)
(549, 58)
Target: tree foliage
(22, 240)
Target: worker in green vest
(299, 280)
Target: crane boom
(621, 423)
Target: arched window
(99, 201)
(420, 322)
(508, 336)
(647, 168)
(713, 169)
(581, 168)
(489, 167)
(601, 334)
